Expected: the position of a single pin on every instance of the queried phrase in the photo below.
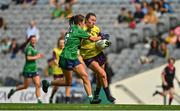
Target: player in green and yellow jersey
(57, 71)
(94, 58)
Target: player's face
(171, 62)
(33, 41)
(91, 21)
(81, 24)
(61, 44)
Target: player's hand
(40, 55)
(165, 83)
(104, 36)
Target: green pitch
(17, 106)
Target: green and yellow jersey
(88, 48)
(56, 69)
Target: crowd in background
(145, 12)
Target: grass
(20, 106)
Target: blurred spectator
(33, 2)
(135, 1)
(55, 9)
(153, 3)
(138, 15)
(163, 51)
(18, 1)
(130, 20)
(129, 17)
(2, 26)
(145, 6)
(68, 7)
(154, 50)
(122, 15)
(32, 30)
(150, 17)
(157, 10)
(165, 7)
(14, 47)
(5, 45)
(171, 38)
(132, 24)
(177, 33)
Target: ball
(102, 44)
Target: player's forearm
(94, 39)
(32, 57)
(163, 78)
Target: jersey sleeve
(164, 71)
(28, 52)
(83, 34)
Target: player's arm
(94, 39)
(85, 35)
(38, 56)
(29, 55)
(55, 58)
(163, 78)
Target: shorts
(30, 74)
(169, 86)
(100, 58)
(58, 76)
(68, 64)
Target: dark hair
(29, 39)
(76, 19)
(90, 14)
(152, 43)
(171, 58)
(60, 38)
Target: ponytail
(71, 21)
(76, 19)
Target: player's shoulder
(96, 28)
(28, 47)
(55, 48)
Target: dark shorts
(100, 58)
(169, 86)
(58, 76)
(68, 64)
(30, 74)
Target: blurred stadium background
(136, 72)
